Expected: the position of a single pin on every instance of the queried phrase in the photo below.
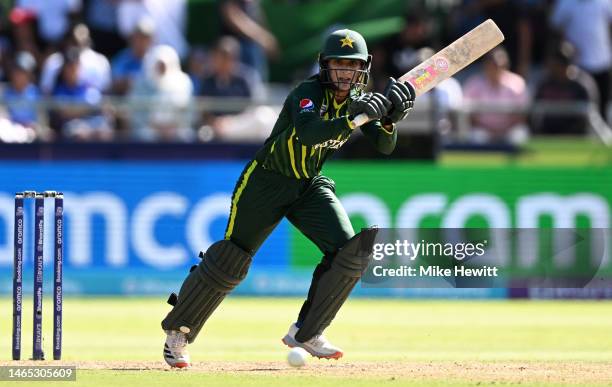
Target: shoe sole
(291, 343)
(180, 364)
(170, 362)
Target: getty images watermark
(410, 250)
(481, 258)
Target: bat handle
(360, 120)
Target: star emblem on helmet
(347, 41)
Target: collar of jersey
(336, 105)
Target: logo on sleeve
(306, 105)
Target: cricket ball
(297, 357)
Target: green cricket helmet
(345, 44)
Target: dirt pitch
(512, 372)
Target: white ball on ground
(297, 357)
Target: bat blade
(450, 60)
(454, 57)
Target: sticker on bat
(428, 74)
(442, 64)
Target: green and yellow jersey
(310, 128)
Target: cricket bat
(449, 61)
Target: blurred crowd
(104, 70)
(550, 75)
(108, 70)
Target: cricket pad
(335, 284)
(223, 267)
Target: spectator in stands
(497, 88)
(400, 49)
(586, 24)
(245, 20)
(563, 82)
(197, 65)
(228, 77)
(231, 79)
(78, 116)
(534, 35)
(161, 99)
(168, 16)
(23, 33)
(21, 95)
(53, 17)
(94, 68)
(127, 65)
(101, 16)
(505, 13)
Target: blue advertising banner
(125, 220)
(137, 227)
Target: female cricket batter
(284, 180)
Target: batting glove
(374, 105)
(401, 95)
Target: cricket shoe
(175, 350)
(318, 346)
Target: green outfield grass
(389, 342)
(539, 152)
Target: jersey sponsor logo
(332, 144)
(306, 105)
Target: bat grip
(360, 120)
